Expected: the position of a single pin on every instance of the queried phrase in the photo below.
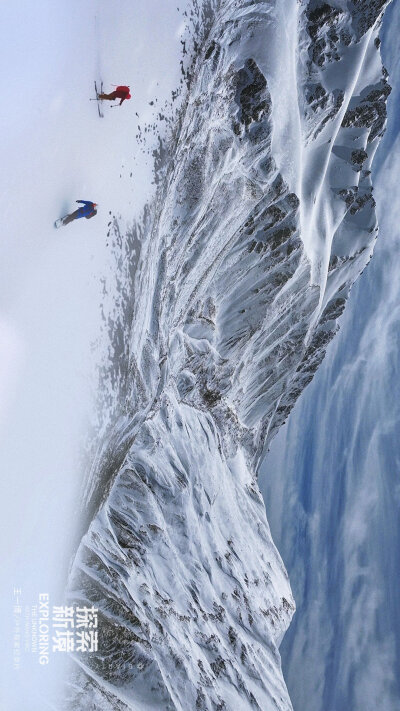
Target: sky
(56, 150)
(331, 480)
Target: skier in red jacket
(121, 92)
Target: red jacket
(122, 92)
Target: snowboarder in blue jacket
(88, 210)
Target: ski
(97, 98)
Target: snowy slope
(331, 479)
(262, 221)
(55, 150)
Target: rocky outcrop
(264, 220)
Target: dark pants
(73, 216)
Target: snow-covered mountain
(331, 478)
(263, 219)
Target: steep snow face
(331, 478)
(263, 220)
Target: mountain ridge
(264, 219)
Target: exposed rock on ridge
(264, 220)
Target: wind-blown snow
(263, 219)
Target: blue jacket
(88, 209)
